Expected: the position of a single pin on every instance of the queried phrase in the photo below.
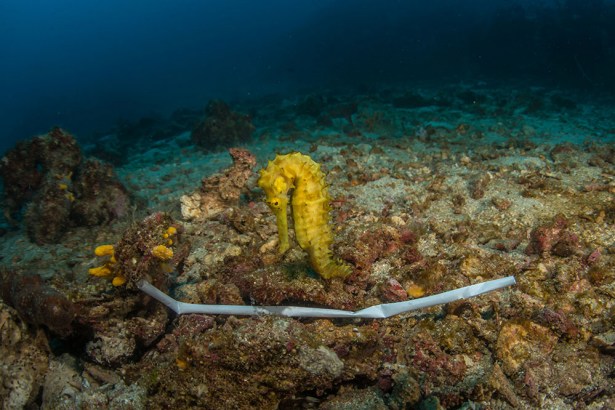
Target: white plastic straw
(373, 312)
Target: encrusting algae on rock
(310, 206)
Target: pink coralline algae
(393, 291)
(553, 238)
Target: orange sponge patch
(162, 252)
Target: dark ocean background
(87, 66)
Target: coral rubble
(429, 190)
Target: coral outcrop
(151, 249)
(24, 361)
(220, 191)
(48, 178)
(37, 302)
(222, 127)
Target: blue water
(85, 65)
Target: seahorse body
(310, 207)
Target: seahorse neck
(292, 172)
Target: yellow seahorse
(310, 206)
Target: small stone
(593, 257)
(519, 342)
(501, 204)
(269, 246)
(397, 221)
(321, 362)
(392, 291)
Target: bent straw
(374, 312)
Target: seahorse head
(276, 189)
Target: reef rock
(222, 127)
(220, 191)
(36, 302)
(23, 361)
(48, 176)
